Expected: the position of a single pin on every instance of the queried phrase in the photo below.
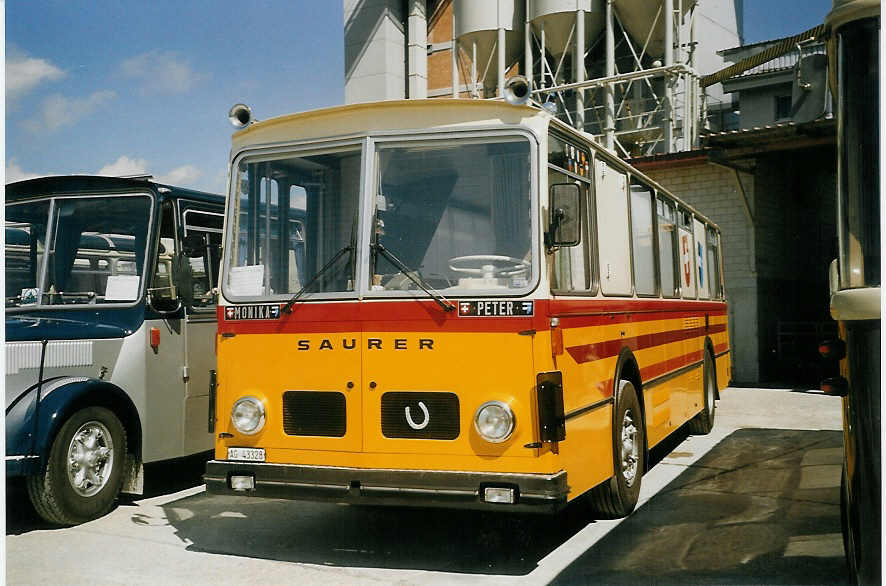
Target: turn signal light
(832, 349)
(155, 339)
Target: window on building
(782, 108)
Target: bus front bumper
(543, 493)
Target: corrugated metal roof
(784, 62)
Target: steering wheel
(490, 265)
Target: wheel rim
(90, 458)
(630, 449)
(709, 391)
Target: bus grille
(438, 420)
(314, 413)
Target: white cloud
(15, 173)
(24, 73)
(125, 166)
(182, 176)
(162, 72)
(58, 111)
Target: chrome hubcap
(90, 458)
(710, 394)
(630, 449)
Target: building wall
(758, 106)
(375, 50)
(714, 191)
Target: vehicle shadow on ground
(159, 478)
(761, 507)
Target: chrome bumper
(544, 493)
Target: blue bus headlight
(248, 415)
(494, 421)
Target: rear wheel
(84, 471)
(703, 422)
(618, 496)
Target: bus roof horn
(517, 90)
(240, 115)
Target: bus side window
(667, 246)
(613, 236)
(201, 249)
(687, 254)
(714, 264)
(642, 239)
(162, 285)
(571, 264)
(701, 264)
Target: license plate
(247, 454)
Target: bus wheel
(618, 496)
(84, 471)
(703, 422)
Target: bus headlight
(494, 421)
(248, 415)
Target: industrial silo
(490, 33)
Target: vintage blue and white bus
(110, 322)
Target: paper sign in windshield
(122, 288)
(246, 281)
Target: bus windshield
(96, 252)
(450, 215)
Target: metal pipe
(610, 72)
(473, 90)
(579, 64)
(694, 82)
(501, 59)
(668, 133)
(674, 69)
(454, 57)
(544, 58)
(527, 46)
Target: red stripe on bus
(600, 350)
(426, 316)
(657, 370)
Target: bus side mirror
(166, 306)
(565, 216)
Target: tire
(84, 471)
(848, 531)
(703, 422)
(618, 496)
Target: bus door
(200, 250)
(165, 350)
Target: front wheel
(84, 471)
(618, 496)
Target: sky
(121, 87)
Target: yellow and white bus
(456, 303)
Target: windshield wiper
(414, 277)
(288, 307)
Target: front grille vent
(433, 415)
(317, 413)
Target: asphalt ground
(754, 502)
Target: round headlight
(248, 415)
(494, 421)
